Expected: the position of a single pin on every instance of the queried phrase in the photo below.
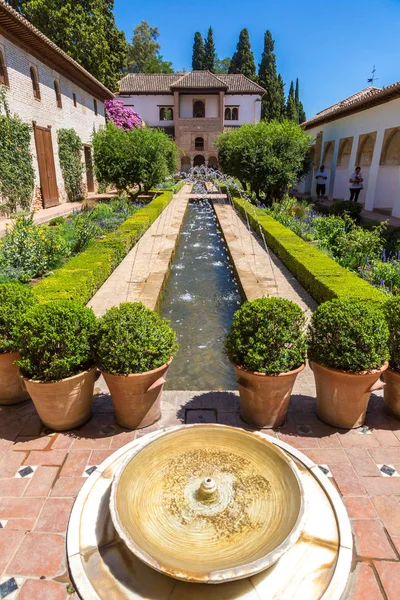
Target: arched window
(166, 113)
(199, 143)
(35, 83)
(199, 109)
(199, 161)
(95, 106)
(58, 94)
(228, 114)
(235, 113)
(3, 70)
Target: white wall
(249, 108)
(148, 107)
(186, 105)
(45, 112)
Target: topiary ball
(133, 339)
(15, 300)
(392, 310)
(350, 335)
(56, 340)
(267, 336)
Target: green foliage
(222, 65)
(292, 112)
(209, 51)
(243, 59)
(83, 229)
(56, 340)
(81, 276)
(321, 276)
(144, 51)
(84, 29)
(349, 335)
(16, 169)
(198, 56)
(133, 339)
(15, 300)
(141, 156)
(393, 318)
(383, 274)
(354, 248)
(269, 156)
(274, 99)
(267, 336)
(345, 207)
(69, 152)
(300, 108)
(56, 221)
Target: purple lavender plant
(123, 116)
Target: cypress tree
(198, 56)
(281, 99)
(291, 107)
(299, 105)
(209, 51)
(268, 79)
(243, 59)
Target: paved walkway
(44, 215)
(141, 275)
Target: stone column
(332, 173)
(317, 162)
(221, 106)
(396, 200)
(373, 171)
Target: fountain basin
(208, 503)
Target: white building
(194, 108)
(363, 130)
(49, 90)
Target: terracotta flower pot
(342, 397)
(137, 397)
(11, 389)
(64, 404)
(264, 399)
(392, 392)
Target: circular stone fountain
(188, 506)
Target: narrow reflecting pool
(200, 298)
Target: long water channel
(200, 298)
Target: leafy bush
(342, 207)
(357, 246)
(349, 335)
(56, 221)
(383, 274)
(267, 336)
(133, 339)
(56, 340)
(15, 300)
(70, 155)
(84, 229)
(393, 319)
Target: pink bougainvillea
(123, 116)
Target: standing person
(321, 178)
(356, 181)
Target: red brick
(382, 486)
(42, 481)
(366, 586)
(75, 464)
(371, 539)
(125, 437)
(299, 442)
(347, 480)
(20, 508)
(49, 457)
(362, 462)
(101, 443)
(358, 440)
(330, 441)
(21, 524)
(54, 516)
(360, 507)
(396, 542)
(62, 442)
(40, 554)
(384, 456)
(386, 438)
(32, 443)
(389, 574)
(9, 542)
(67, 487)
(328, 456)
(11, 462)
(12, 487)
(97, 456)
(42, 590)
(388, 508)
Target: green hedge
(317, 273)
(81, 276)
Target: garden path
(44, 215)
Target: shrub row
(317, 273)
(81, 276)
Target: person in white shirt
(356, 181)
(321, 178)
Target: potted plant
(267, 347)
(348, 352)
(391, 377)
(134, 349)
(15, 300)
(56, 342)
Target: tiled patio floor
(41, 473)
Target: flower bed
(324, 278)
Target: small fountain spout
(208, 491)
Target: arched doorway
(199, 109)
(199, 161)
(185, 164)
(213, 162)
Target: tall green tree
(268, 79)
(291, 106)
(300, 108)
(84, 29)
(198, 56)
(210, 55)
(281, 98)
(243, 59)
(144, 51)
(222, 65)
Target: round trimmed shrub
(350, 208)
(267, 336)
(393, 319)
(15, 300)
(350, 335)
(133, 339)
(56, 340)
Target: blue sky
(331, 46)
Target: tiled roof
(16, 25)
(154, 83)
(362, 100)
